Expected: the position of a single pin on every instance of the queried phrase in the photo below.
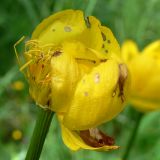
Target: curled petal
(97, 98)
(71, 25)
(73, 141)
(60, 26)
(96, 138)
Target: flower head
(144, 68)
(18, 85)
(74, 69)
(17, 134)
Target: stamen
(49, 45)
(30, 44)
(25, 65)
(15, 49)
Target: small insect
(57, 53)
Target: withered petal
(96, 138)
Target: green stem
(39, 134)
(90, 7)
(133, 136)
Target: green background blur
(138, 20)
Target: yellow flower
(145, 75)
(18, 85)
(74, 68)
(17, 134)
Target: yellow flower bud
(145, 75)
(74, 69)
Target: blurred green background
(138, 20)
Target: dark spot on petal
(106, 51)
(123, 73)
(97, 78)
(34, 78)
(83, 81)
(67, 29)
(57, 53)
(109, 41)
(103, 36)
(103, 60)
(42, 66)
(89, 60)
(53, 29)
(85, 94)
(103, 45)
(48, 102)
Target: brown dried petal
(96, 138)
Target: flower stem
(90, 7)
(133, 135)
(39, 134)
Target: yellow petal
(86, 58)
(152, 48)
(144, 69)
(110, 46)
(65, 75)
(145, 105)
(145, 77)
(91, 36)
(129, 50)
(70, 25)
(97, 98)
(60, 26)
(73, 141)
(79, 51)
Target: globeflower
(144, 68)
(74, 68)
